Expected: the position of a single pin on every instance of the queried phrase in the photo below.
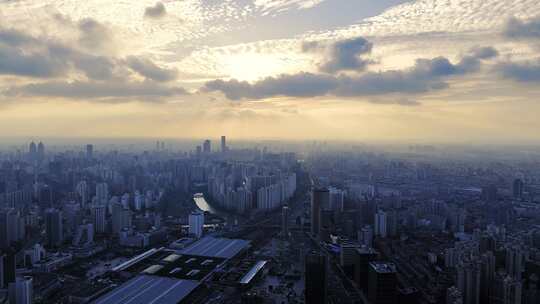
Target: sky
(449, 71)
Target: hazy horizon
(375, 71)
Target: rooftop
(145, 289)
(216, 247)
(246, 279)
(383, 267)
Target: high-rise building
(84, 235)
(89, 151)
(381, 223)
(517, 188)
(40, 152)
(121, 218)
(207, 148)
(365, 236)
(82, 191)
(196, 223)
(102, 193)
(316, 268)
(98, 218)
(8, 227)
(487, 275)
(468, 282)
(285, 221)
(2, 280)
(382, 283)
(364, 256)
(515, 261)
(223, 144)
(20, 291)
(506, 290)
(337, 199)
(32, 151)
(54, 225)
(453, 296)
(348, 257)
(9, 267)
(320, 199)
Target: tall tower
(285, 221)
(32, 151)
(54, 225)
(40, 152)
(223, 144)
(196, 223)
(381, 224)
(316, 268)
(517, 188)
(102, 193)
(8, 227)
(514, 261)
(207, 148)
(98, 218)
(320, 199)
(382, 283)
(468, 282)
(89, 151)
(20, 291)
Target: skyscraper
(515, 259)
(8, 227)
(316, 268)
(319, 200)
(453, 296)
(365, 236)
(365, 255)
(468, 282)
(196, 223)
(82, 190)
(285, 221)
(517, 188)
(89, 151)
(98, 218)
(223, 144)
(32, 152)
(20, 291)
(54, 225)
(382, 283)
(102, 194)
(381, 223)
(121, 218)
(506, 290)
(488, 261)
(9, 267)
(2, 281)
(207, 148)
(40, 152)
(337, 199)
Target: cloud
(426, 75)
(84, 75)
(516, 28)
(97, 90)
(157, 11)
(274, 6)
(297, 85)
(528, 71)
(150, 70)
(22, 55)
(345, 56)
(94, 35)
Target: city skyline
(374, 71)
